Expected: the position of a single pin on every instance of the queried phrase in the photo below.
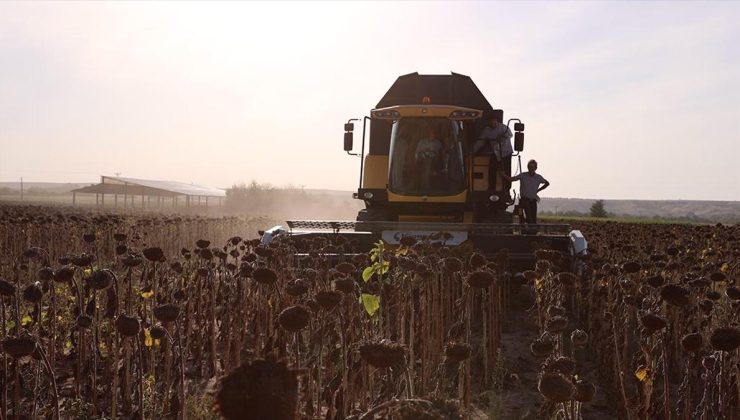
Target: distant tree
(597, 209)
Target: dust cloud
(291, 203)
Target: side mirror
(518, 141)
(518, 126)
(348, 140)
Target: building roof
(135, 186)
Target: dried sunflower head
(17, 347)
(457, 352)
(481, 279)
(167, 313)
(127, 326)
(652, 322)
(382, 354)
(725, 339)
(692, 342)
(264, 275)
(555, 387)
(262, 389)
(294, 318)
(328, 300)
(33, 293)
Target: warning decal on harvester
(448, 238)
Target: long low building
(127, 190)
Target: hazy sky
(621, 100)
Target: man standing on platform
(530, 183)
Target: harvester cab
(421, 175)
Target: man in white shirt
(495, 140)
(429, 147)
(530, 183)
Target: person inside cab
(428, 156)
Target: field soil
(519, 398)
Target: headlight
(387, 114)
(493, 198)
(367, 194)
(460, 115)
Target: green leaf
(371, 303)
(377, 252)
(383, 268)
(368, 273)
(26, 320)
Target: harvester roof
(441, 89)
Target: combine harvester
(454, 202)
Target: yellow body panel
(480, 168)
(397, 198)
(375, 173)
